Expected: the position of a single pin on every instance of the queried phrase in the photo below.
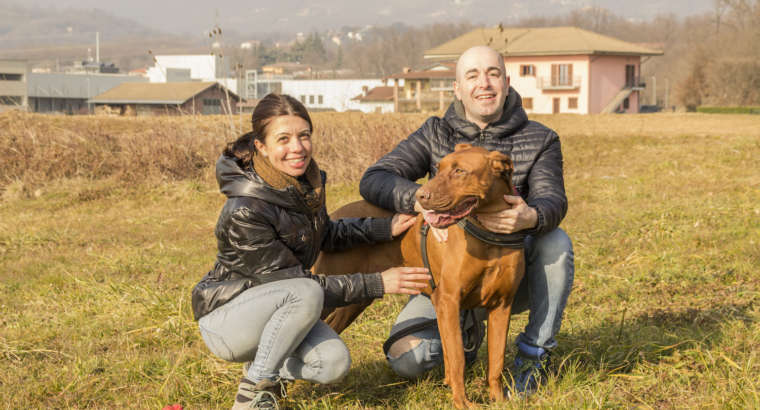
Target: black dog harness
(512, 241)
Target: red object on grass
(173, 407)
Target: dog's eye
(459, 171)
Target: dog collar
(507, 240)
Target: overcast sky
(258, 16)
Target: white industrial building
(201, 67)
(13, 84)
(332, 95)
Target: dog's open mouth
(442, 219)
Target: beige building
(166, 99)
(429, 89)
(13, 85)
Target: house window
(562, 74)
(320, 99)
(11, 77)
(630, 75)
(626, 104)
(311, 99)
(572, 103)
(303, 99)
(528, 103)
(527, 70)
(10, 100)
(212, 106)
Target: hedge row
(729, 110)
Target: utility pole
(667, 91)
(97, 48)
(654, 90)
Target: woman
(260, 303)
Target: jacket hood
(235, 181)
(512, 118)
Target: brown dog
(469, 270)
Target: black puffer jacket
(265, 234)
(534, 149)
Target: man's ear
(457, 92)
(462, 146)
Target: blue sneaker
(530, 369)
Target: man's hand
(517, 218)
(400, 223)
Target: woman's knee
(335, 362)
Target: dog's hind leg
(340, 318)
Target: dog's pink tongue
(436, 219)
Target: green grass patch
(95, 280)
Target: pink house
(562, 69)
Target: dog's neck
(494, 200)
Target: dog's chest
(494, 284)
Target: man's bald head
(476, 54)
(481, 84)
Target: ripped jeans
(276, 325)
(544, 290)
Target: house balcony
(557, 84)
(636, 83)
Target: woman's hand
(405, 280)
(400, 223)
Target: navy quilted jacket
(535, 151)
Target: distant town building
(562, 69)
(149, 99)
(429, 89)
(285, 68)
(68, 93)
(377, 100)
(330, 95)
(13, 84)
(202, 67)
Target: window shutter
(555, 74)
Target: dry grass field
(107, 223)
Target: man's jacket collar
(512, 119)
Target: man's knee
(411, 357)
(553, 244)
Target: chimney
(406, 70)
(365, 90)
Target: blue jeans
(544, 291)
(276, 325)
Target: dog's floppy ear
(500, 163)
(462, 146)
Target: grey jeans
(276, 325)
(549, 274)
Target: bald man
(486, 112)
